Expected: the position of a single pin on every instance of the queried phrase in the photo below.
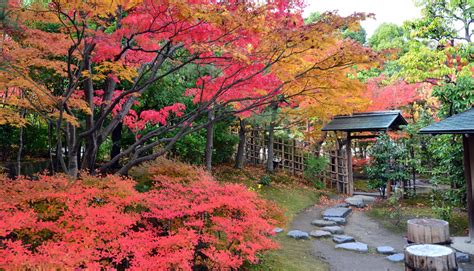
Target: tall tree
(85, 64)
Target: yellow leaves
(106, 68)
(99, 8)
(67, 117)
(11, 117)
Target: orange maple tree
(83, 65)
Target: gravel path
(363, 229)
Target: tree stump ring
(428, 231)
(429, 257)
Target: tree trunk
(413, 169)
(239, 158)
(116, 140)
(73, 165)
(50, 147)
(427, 257)
(209, 140)
(319, 143)
(428, 231)
(91, 148)
(271, 132)
(20, 150)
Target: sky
(390, 11)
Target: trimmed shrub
(103, 223)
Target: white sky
(391, 11)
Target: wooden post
(350, 178)
(293, 156)
(468, 144)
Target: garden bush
(314, 167)
(387, 159)
(104, 223)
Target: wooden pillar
(468, 143)
(350, 178)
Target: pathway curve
(363, 229)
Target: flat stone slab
(354, 246)
(462, 244)
(356, 202)
(386, 250)
(333, 229)
(341, 239)
(297, 234)
(462, 257)
(399, 257)
(323, 223)
(341, 205)
(277, 230)
(319, 234)
(337, 212)
(366, 199)
(338, 220)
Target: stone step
(319, 233)
(337, 212)
(333, 229)
(341, 239)
(297, 234)
(354, 246)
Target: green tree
(442, 18)
(387, 163)
(388, 36)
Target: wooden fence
(289, 155)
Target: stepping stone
(386, 250)
(277, 230)
(338, 220)
(366, 199)
(297, 234)
(341, 205)
(333, 229)
(354, 246)
(323, 223)
(320, 233)
(341, 239)
(399, 257)
(337, 212)
(356, 202)
(462, 257)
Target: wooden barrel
(428, 231)
(430, 257)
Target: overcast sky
(393, 11)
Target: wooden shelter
(462, 124)
(351, 126)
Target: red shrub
(98, 223)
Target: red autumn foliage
(104, 223)
(392, 96)
(360, 162)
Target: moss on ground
(394, 218)
(291, 194)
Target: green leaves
(387, 162)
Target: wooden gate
(337, 172)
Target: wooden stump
(428, 231)
(430, 258)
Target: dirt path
(363, 229)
